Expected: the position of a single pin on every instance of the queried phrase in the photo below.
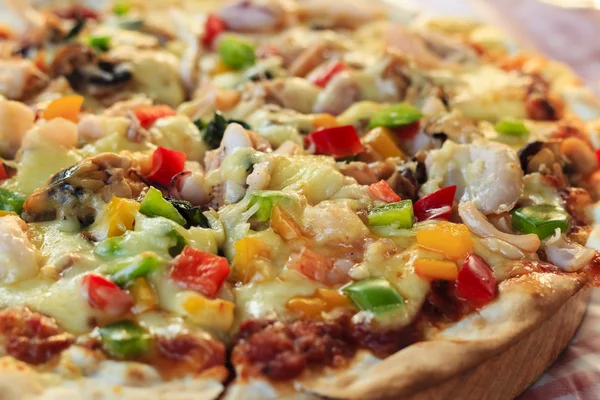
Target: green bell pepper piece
(125, 271)
(511, 127)
(376, 295)
(121, 8)
(11, 201)
(125, 339)
(180, 243)
(266, 200)
(100, 43)
(110, 247)
(397, 215)
(236, 53)
(541, 219)
(400, 114)
(154, 205)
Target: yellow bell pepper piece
(454, 240)
(323, 300)
(332, 298)
(67, 107)
(308, 306)
(324, 121)
(4, 213)
(284, 225)
(436, 269)
(216, 313)
(381, 140)
(144, 296)
(116, 219)
(247, 251)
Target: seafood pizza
(280, 199)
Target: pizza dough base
(18, 381)
(523, 304)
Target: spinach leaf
(216, 128)
(192, 215)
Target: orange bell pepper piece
(436, 269)
(284, 225)
(324, 121)
(67, 107)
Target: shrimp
(19, 259)
(257, 15)
(20, 78)
(15, 120)
(341, 13)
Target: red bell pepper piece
(407, 131)
(149, 114)
(3, 173)
(435, 205)
(105, 295)
(475, 282)
(384, 192)
(199, 271)
(166, 164)
(598, 155)
(329, 72)
(337, 141)
(212, 28)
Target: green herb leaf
(11, 201)
(193, 215)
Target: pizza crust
(19, 381)
(523, 304)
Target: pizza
(280, 199)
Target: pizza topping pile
(296, 185)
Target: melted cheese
(486, 92)
(38, 163)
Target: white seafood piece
(58, 130)
(18, 77)
(339, 94)
(341, 13)
(487, 173)
(478, 224)
(256, 15)
(192, 188)
(260, 176)
(19, 259)
(567, 255)
(15, 120)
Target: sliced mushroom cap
(87, 72)
(77, 191)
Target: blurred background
(566, 30)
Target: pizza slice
(299, 200)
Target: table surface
(572, 36)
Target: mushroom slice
(77, 191)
